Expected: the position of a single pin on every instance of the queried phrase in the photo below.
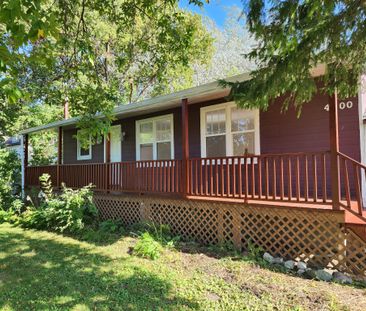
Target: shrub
(147, 247)
(254, 252)
(5, 216)
(69, 211)
(151, 241)
(111, 226)
(106, 232)
(161, 232)
(9, 177)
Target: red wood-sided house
(198, 148)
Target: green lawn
(46, 271)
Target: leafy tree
(231, 42)
(293, 37)
(9, 177)
(95, 53)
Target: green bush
(161, 232)
(111, 226)
(69, 211)
(9, 177)
(106, 232)
(152, 240)
(5, 216)
(147, 247)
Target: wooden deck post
(185, 146)
(59, 155)
(26, 145)
(25, 141)
(334, 149)
(107, 160)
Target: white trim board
(228, 132)
(154, 142)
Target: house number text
(341, 105)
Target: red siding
(279, 132)
(285, 132)
(70, 150)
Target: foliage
(69, 211)
(231, 42)
(9, 177)
(295, 36)
(152, 238)
(11, 214)
(5, 216)
(254, 252)
(43, 145)
(111, 226)
(46, 186)
(147, 247)
(104, 233)
(95, 54)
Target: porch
(326, 180)
(293, 179)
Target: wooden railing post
(107, 160)
(185, 146)
(334, 149)
(59, 156)
(25, 140)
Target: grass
(45, 271)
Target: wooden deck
(296, 180)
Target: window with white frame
(84, 153)
(155, 138)
(229, 131)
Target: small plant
(226, 247)
(46, 186)
(254, 252)
(111, 226)
(147, 247)
(152, 239)
(160, 232)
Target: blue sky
(215, 9)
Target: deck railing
(352, 181)
(162, 176)
(292, 177)
(287, 177)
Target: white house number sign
(342, 105)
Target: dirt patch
(290, 290)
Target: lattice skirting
(315, 236)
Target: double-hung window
(155, 138)
(229, 131)
(84, 152)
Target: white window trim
(83, 157)
(228, 132)
(153, 120)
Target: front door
(116, 147)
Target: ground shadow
(43, 274)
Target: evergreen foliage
(295, 36)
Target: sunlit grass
(45, 271)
